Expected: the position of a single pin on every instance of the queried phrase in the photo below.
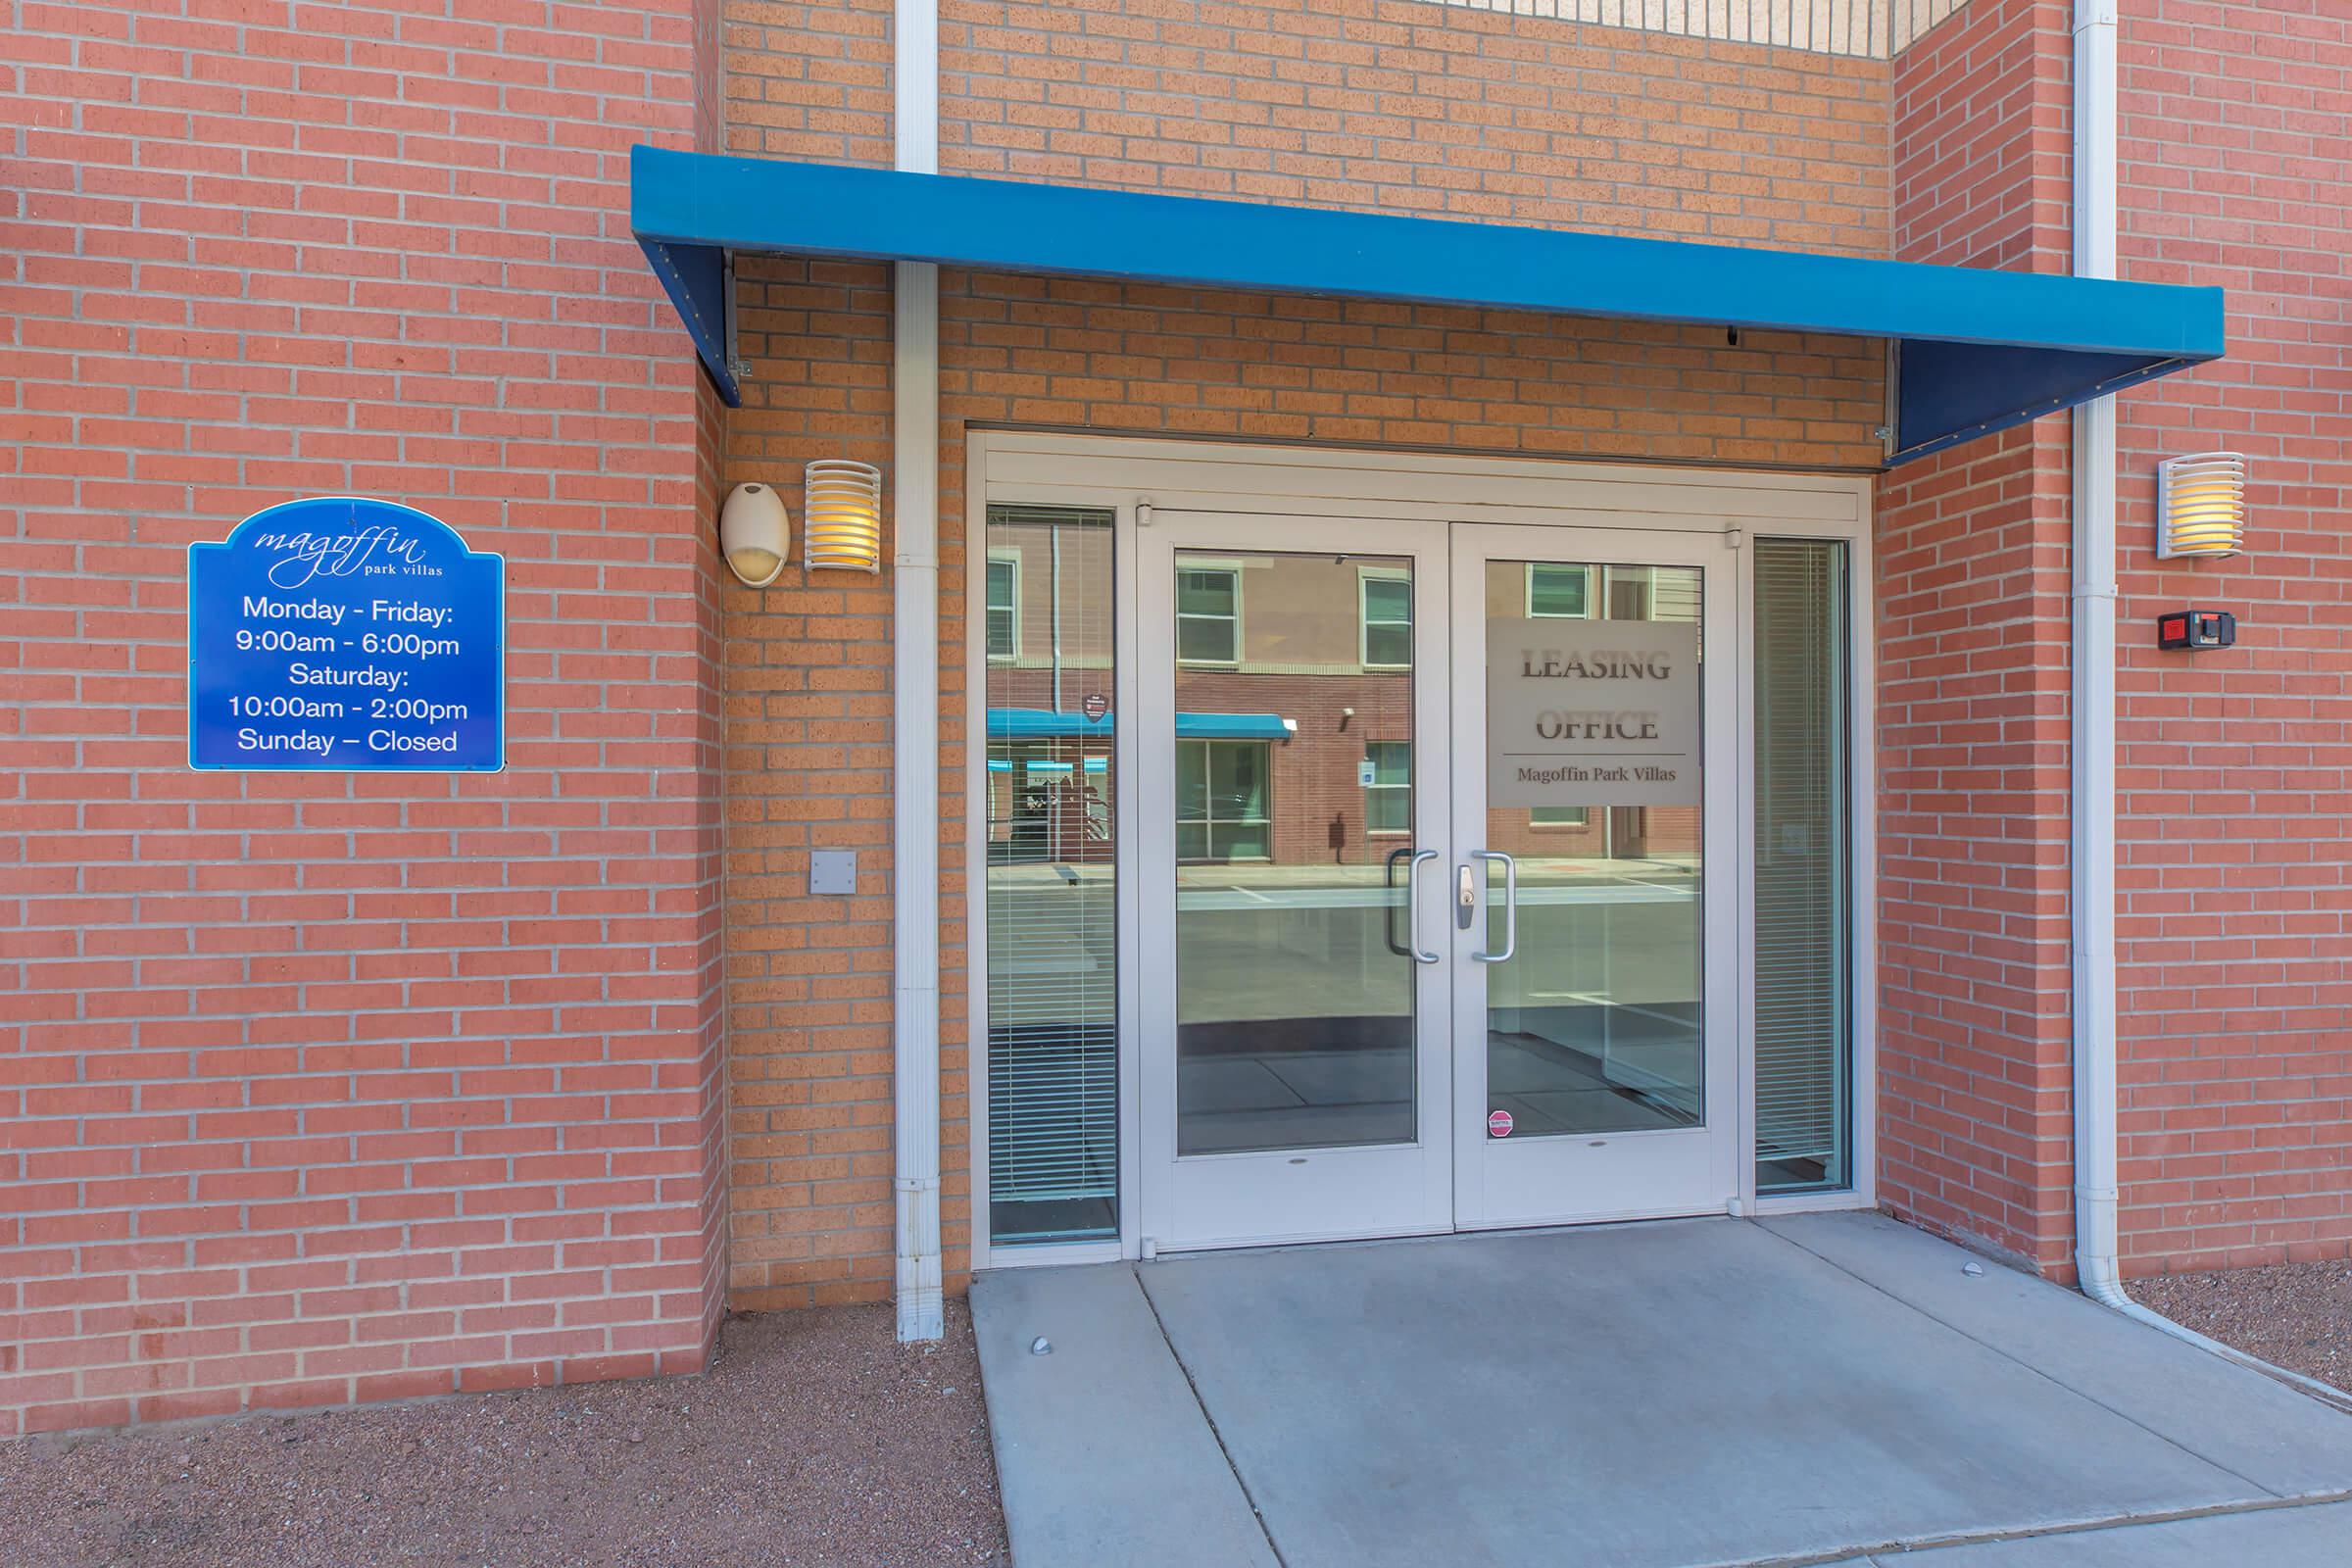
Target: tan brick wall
(806, 765)
(1394, 107)
(808, 660)
(1403, 107)
(807, 82)
(1377, 105)
(1039, 350)
(710, 440)
(1875, 27)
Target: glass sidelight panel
(1294, 727)
(1595, 1024)
(1052, 876)
(1804, 980)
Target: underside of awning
(1974, 351)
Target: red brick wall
(315, 1088)
(1982, 120)
(322, 1087)
(1974, 1119)
(1973, 582)
(2234, 845)
(2234, 832)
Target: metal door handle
(1412, 905)
(1387, 879)
(1510, 904)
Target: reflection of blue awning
(1232, 727)
(1976, 349)
(1043, 724)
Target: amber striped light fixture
(840, 515)
(2200, 505)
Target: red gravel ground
(2294, 1315)
(814, 1438)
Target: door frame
(1132, 475)
(1304, 1195)
(1710, 1186)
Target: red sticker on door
(1499, 1124)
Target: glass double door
(1435, 872)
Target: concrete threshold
(1104, 1451)
(1820, 1389)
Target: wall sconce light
(2200, 505)
(840, 515)
(755, 534)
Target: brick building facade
(320, 1088)
(323, 1089)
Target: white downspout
(2092, 851)
(915, 702)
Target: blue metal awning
(1975, 350)
(1042, 723)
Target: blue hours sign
(343, 635)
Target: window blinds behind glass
(1803, 991)
(1052, 892)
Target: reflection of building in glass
(1598, 1025)
(1049, 788)
(1047, 636)
(1295, 787)
(1323, 645)
(1294, 795)
(1294, 693)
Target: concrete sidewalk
(1823, 1389)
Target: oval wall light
(840, 515)
(755, 534)
(2200, 505)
